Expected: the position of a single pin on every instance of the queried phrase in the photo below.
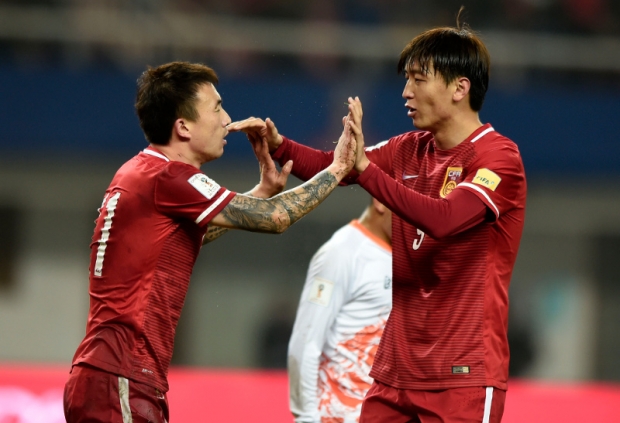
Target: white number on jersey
(105, 231)
(418, 242)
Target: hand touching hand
(344, 154)
(265, 129)
(272, 182)
(355, 116)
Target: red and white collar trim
(482, 134)
(153, 152)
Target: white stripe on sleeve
(212, 206)
(481, 191)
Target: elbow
(438, 232)
(281, 230)
(282, 221)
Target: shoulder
(496, 142)
(499, 149)
(343, 244)
(179, 172)
(352, 242)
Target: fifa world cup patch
(321, 291)
(204, 185)
(487, 178)
(453, 177)
(460, 370)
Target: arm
(308, 161)
(276, 214)
(438, 218)
(317, 312)
(271, 182)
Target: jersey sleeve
(323, 295)
(497, 177)
(183, 191)
(308, 161)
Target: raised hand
(265, 129)
(355, 122)
(345, 151)
(272, 182)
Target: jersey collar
(153, 152)
(481, 132)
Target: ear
(181, 129)
(462, 86)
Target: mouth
(410, 111)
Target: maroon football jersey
(146, 241)
(448, 325)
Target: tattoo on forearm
(213, 233)
(278, 213)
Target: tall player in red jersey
(457, 191)
(153, 220)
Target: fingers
(355, 109)
(271, 130)
(356, 129)
(274, 139)
(286, 169)
(246, 125)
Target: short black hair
(168, 92)
(451, 52)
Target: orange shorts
(384, 404)
(93, 395)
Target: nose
(407, 92)
(226, 118)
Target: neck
(371, 221)
(175, 152)
(456, 131)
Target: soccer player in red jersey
(457, 191)
(157, 212)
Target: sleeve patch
(487, 179)
(204, 185)
(321, 292)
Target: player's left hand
(263, 128)
(272, 181)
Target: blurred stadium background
(67, 85)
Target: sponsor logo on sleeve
(321, 292)
(487, 178)
(453, 176)
(204, 185)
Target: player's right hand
(355, 114)
(345, 152)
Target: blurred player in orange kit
(457, 191)
(344, 305)
(157, 212)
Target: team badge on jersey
(204, 185)
(487, 178)
(453, 177)
(321, 291)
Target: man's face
(209, 130)
(428, 98)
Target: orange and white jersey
(345, 303)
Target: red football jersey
(146, 241)
(448, 325)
